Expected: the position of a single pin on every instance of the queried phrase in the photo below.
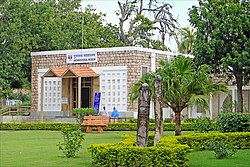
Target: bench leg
(88, 129)
(99, 129)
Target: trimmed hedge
(133, 127)
(169, 151)
(111, 126)
(37, 126)
(241, 140)
(126, 154)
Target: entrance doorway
(85, 97)
(86, 90)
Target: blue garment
(115, 113)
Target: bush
(190, 120)
(81, 112)
(221, 149)
(203, 124)
(126, 154)
(198, 141)
(72, 141)
(169, 151)
(233, 122)
(38, 126)
(167, 120)
(121, 126)
(20, 96)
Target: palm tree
(187, 40)
(184, 84)
(184, 39)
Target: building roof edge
(112, 49)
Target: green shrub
(233, 122)
(81, 112)
(121, 126)
(20, 96)
(72, 142)
(190, 120)
(198, 141)
(221, 149)
(124, 126)
(38, 126)
(126, 154)
(203, 124)
(167, 120)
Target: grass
(207, 159)
(38, 149)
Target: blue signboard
(97, 99)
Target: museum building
(67, 79)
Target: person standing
(105, 112)
(115, 113)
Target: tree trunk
(143, 116)
(158, 109)
(177, 123)
(239, 82)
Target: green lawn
(38, 149)
(207, 159)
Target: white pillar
(211, 106)
(79, 93)
(233, 99)
(153, 69)
(42, 100)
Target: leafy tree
(140, 31)
(184, 84)
(30, 25)
(223, 39)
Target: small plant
(221, 149)
(203, 124)
(81, 112)
(72, 142)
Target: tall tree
(30, 25)
(223, 39)
(140, 31)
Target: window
(52, 94)
(144, 70)
(116, 80)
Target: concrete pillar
(233, 99)
(42, 100)
(211, 106)
(79, 93)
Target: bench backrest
(96, 119)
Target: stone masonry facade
(133, 59)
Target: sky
(179, 10)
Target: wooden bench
(95, 121)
